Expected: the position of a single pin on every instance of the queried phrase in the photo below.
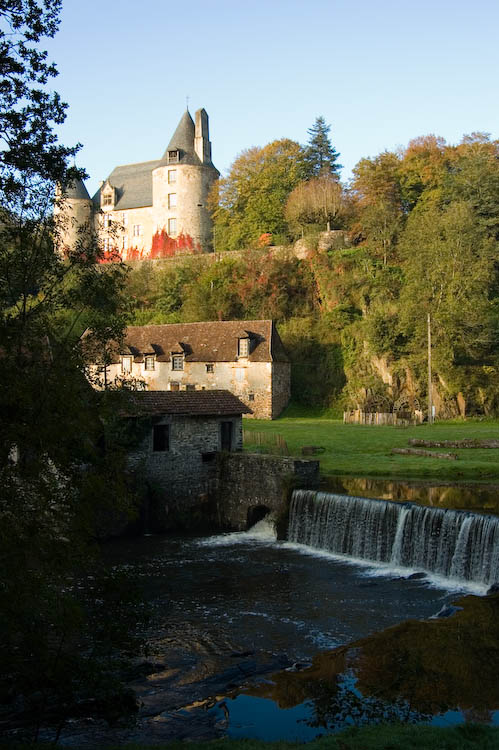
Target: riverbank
(464, 737)
(357, 450)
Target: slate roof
(76, 189)
(191, 403)
(214, 341)
(183, 141)
(133, 183)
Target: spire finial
(187, 103)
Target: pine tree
(321, 154)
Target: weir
(451, 543)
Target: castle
(153, 209)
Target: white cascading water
(450, 543)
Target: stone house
(245, 357)
(152, 209)
(181, 433)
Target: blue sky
(380, 71)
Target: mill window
(126, 364)
(161, 438)
(177, 361)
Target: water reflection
(476, 497)
(440, 670)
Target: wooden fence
(397, 418)
(265, 442)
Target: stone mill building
(152, 209)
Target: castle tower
(182, 181)
(73, 213)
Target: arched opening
(255, 514)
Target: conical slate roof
(76, 190)
(183, 137)
(183, 141)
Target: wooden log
(426, 454)
(466, 443)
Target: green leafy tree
(250, 201)
(322, 157)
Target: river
(231, 609)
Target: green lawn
(365, 451)
(389, 737)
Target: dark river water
(230, 609)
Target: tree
(321, 155)
(55, 478)
(318, 201)
(250, 201)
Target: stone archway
(256, 513)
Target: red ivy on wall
(162, 246)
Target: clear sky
(379, 71)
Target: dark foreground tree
(58, 645)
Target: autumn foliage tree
(250, 200)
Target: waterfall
(450, 543)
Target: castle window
(172, 227)
(107, 245)
(107, 199)
(173, 157)
(177, 361)
(243, 349)
(125, 242)
(172, 200)
(126, 364)
(251, 396)
(149, 362)
(124, 219)
(172, 175)
(107, 221)
(137, 230)
(209, 367)
(161, 438)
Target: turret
(73, 216)
(182, 181)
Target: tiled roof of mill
(214, 341)
(192, 403)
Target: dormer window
(173, 157)
(244, 347)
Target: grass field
(357, 450)
(388, 737)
